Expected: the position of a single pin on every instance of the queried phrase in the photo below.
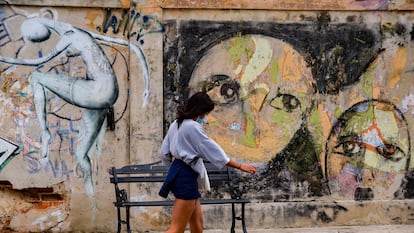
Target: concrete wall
(319, 95)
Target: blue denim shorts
(181, 181)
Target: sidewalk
(345, 229)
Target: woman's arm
(243, 167)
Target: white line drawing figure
(95, 93)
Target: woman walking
(185, 147)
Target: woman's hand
(248, 168)
(245, 167)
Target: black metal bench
(156, 172)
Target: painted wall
(320, 100)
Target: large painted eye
(285, 102)
(391, 152)
(349, 149)
(349, 146)
(222, 89)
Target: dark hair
(197, 104)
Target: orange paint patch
(376, 91)
(256, 101)
(292, 68)
(325, 121)
(47, 204)
(125, 3)
(326, 128)
(398, 64)
(266, 148)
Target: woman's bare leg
(196, 220)
(182, 212)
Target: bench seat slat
(142, 169)
(138, 179)
(152, 178)
(170, 202)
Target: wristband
(240, 166)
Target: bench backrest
(157, 172)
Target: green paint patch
(239, 46)
(250, 139)
(274, 70)
(214, 123)
(360, 121)
(316, 124)
(337, 113)
(283, 120)
(368, 84)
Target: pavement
(344, 229)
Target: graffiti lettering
(58, 168)
(127, 21)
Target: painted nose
(252, 105)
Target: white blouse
(189, 142)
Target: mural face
(269, 80)
(368, 152)
(262, 88)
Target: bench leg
(118, 212)
(233, 218)
(242, 219)
(127, 219)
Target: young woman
(185, 147)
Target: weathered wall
(317, 95)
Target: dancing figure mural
(95, 93)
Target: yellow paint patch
(398, 64)
(91, 17)
(387, 123)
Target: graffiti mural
(76, 71)
(265, 88)
(368, 152)
(267, 80)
